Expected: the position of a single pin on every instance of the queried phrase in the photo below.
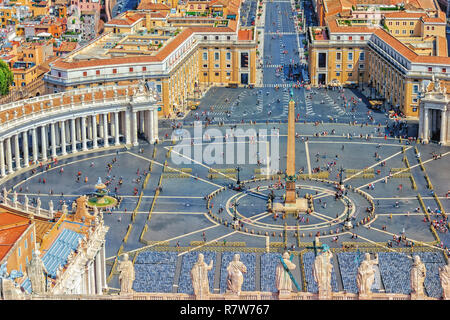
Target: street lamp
(238, 169)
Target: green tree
(6, 78)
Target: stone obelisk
(291, 195)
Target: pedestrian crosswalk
(272, 65)
(279, 85)
(309, 108)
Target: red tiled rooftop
(245, 35)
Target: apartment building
(179, 62)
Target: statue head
(201, 257)
(417, 260)
(367, 256)
(286, 255)
(236, 257)
(36, 253)
(125, 257)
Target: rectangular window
(216, 56)
(228, 65)
(350, 56)
(84, 74)
(338, 66)
(205, 66)
(338, 56)
(322, 60)
(430, 69)
(411, 31)
(404, 31)
(228, 74)
(25, 244)
(349, 74)
(216, 74)
(338, 74)
(205, 74)
(244, 60)
(350, 38)
(361, 38)
(415, 88)
(144, 68)
(131, 69)
(228, 55)
(114, 71)
(444, 69)
(205, 55)
(216, 66)
(158, 87)
(361, 66)
(350, 66)
(97, 72)
(411, 23)
(338, 37)
(361, 56)
(19, 252)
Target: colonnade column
(26, 160)
(155, 123)
(63, 138)
(98, 274)
(425, 125)
(74, 135)
(9, 155)
(443, 138)
(83, 133)
(17, 151)
(53, 137)
(116, 128)
(135, 129)
(105, 128)
(92, 277)
(127, 127)
(44, 143)
(103, 261)
(94, 132)
(34, 145)
(2, 160)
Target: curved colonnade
(36, 129)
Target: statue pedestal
(324, 295)
(284, 295)
(230, 295)
(299, 206)
(415, 296)
(365, 296)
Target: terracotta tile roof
(407, 52)
(12, 226)
(245, 35)
(144, 5)
(441, 43)
(67, 46)
(403, 14)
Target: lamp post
(238, 169)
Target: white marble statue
(36, 272)
(50, 206)
(418, 274)
(25, 202)
(5, 195)
(15, 197)
(126, 276)
(64, 208)
(444, 274)
(322, 272)
(199, 276)
(366, 275)
(235, 277)
(283, 281)
(74, 206)
(38, 205)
